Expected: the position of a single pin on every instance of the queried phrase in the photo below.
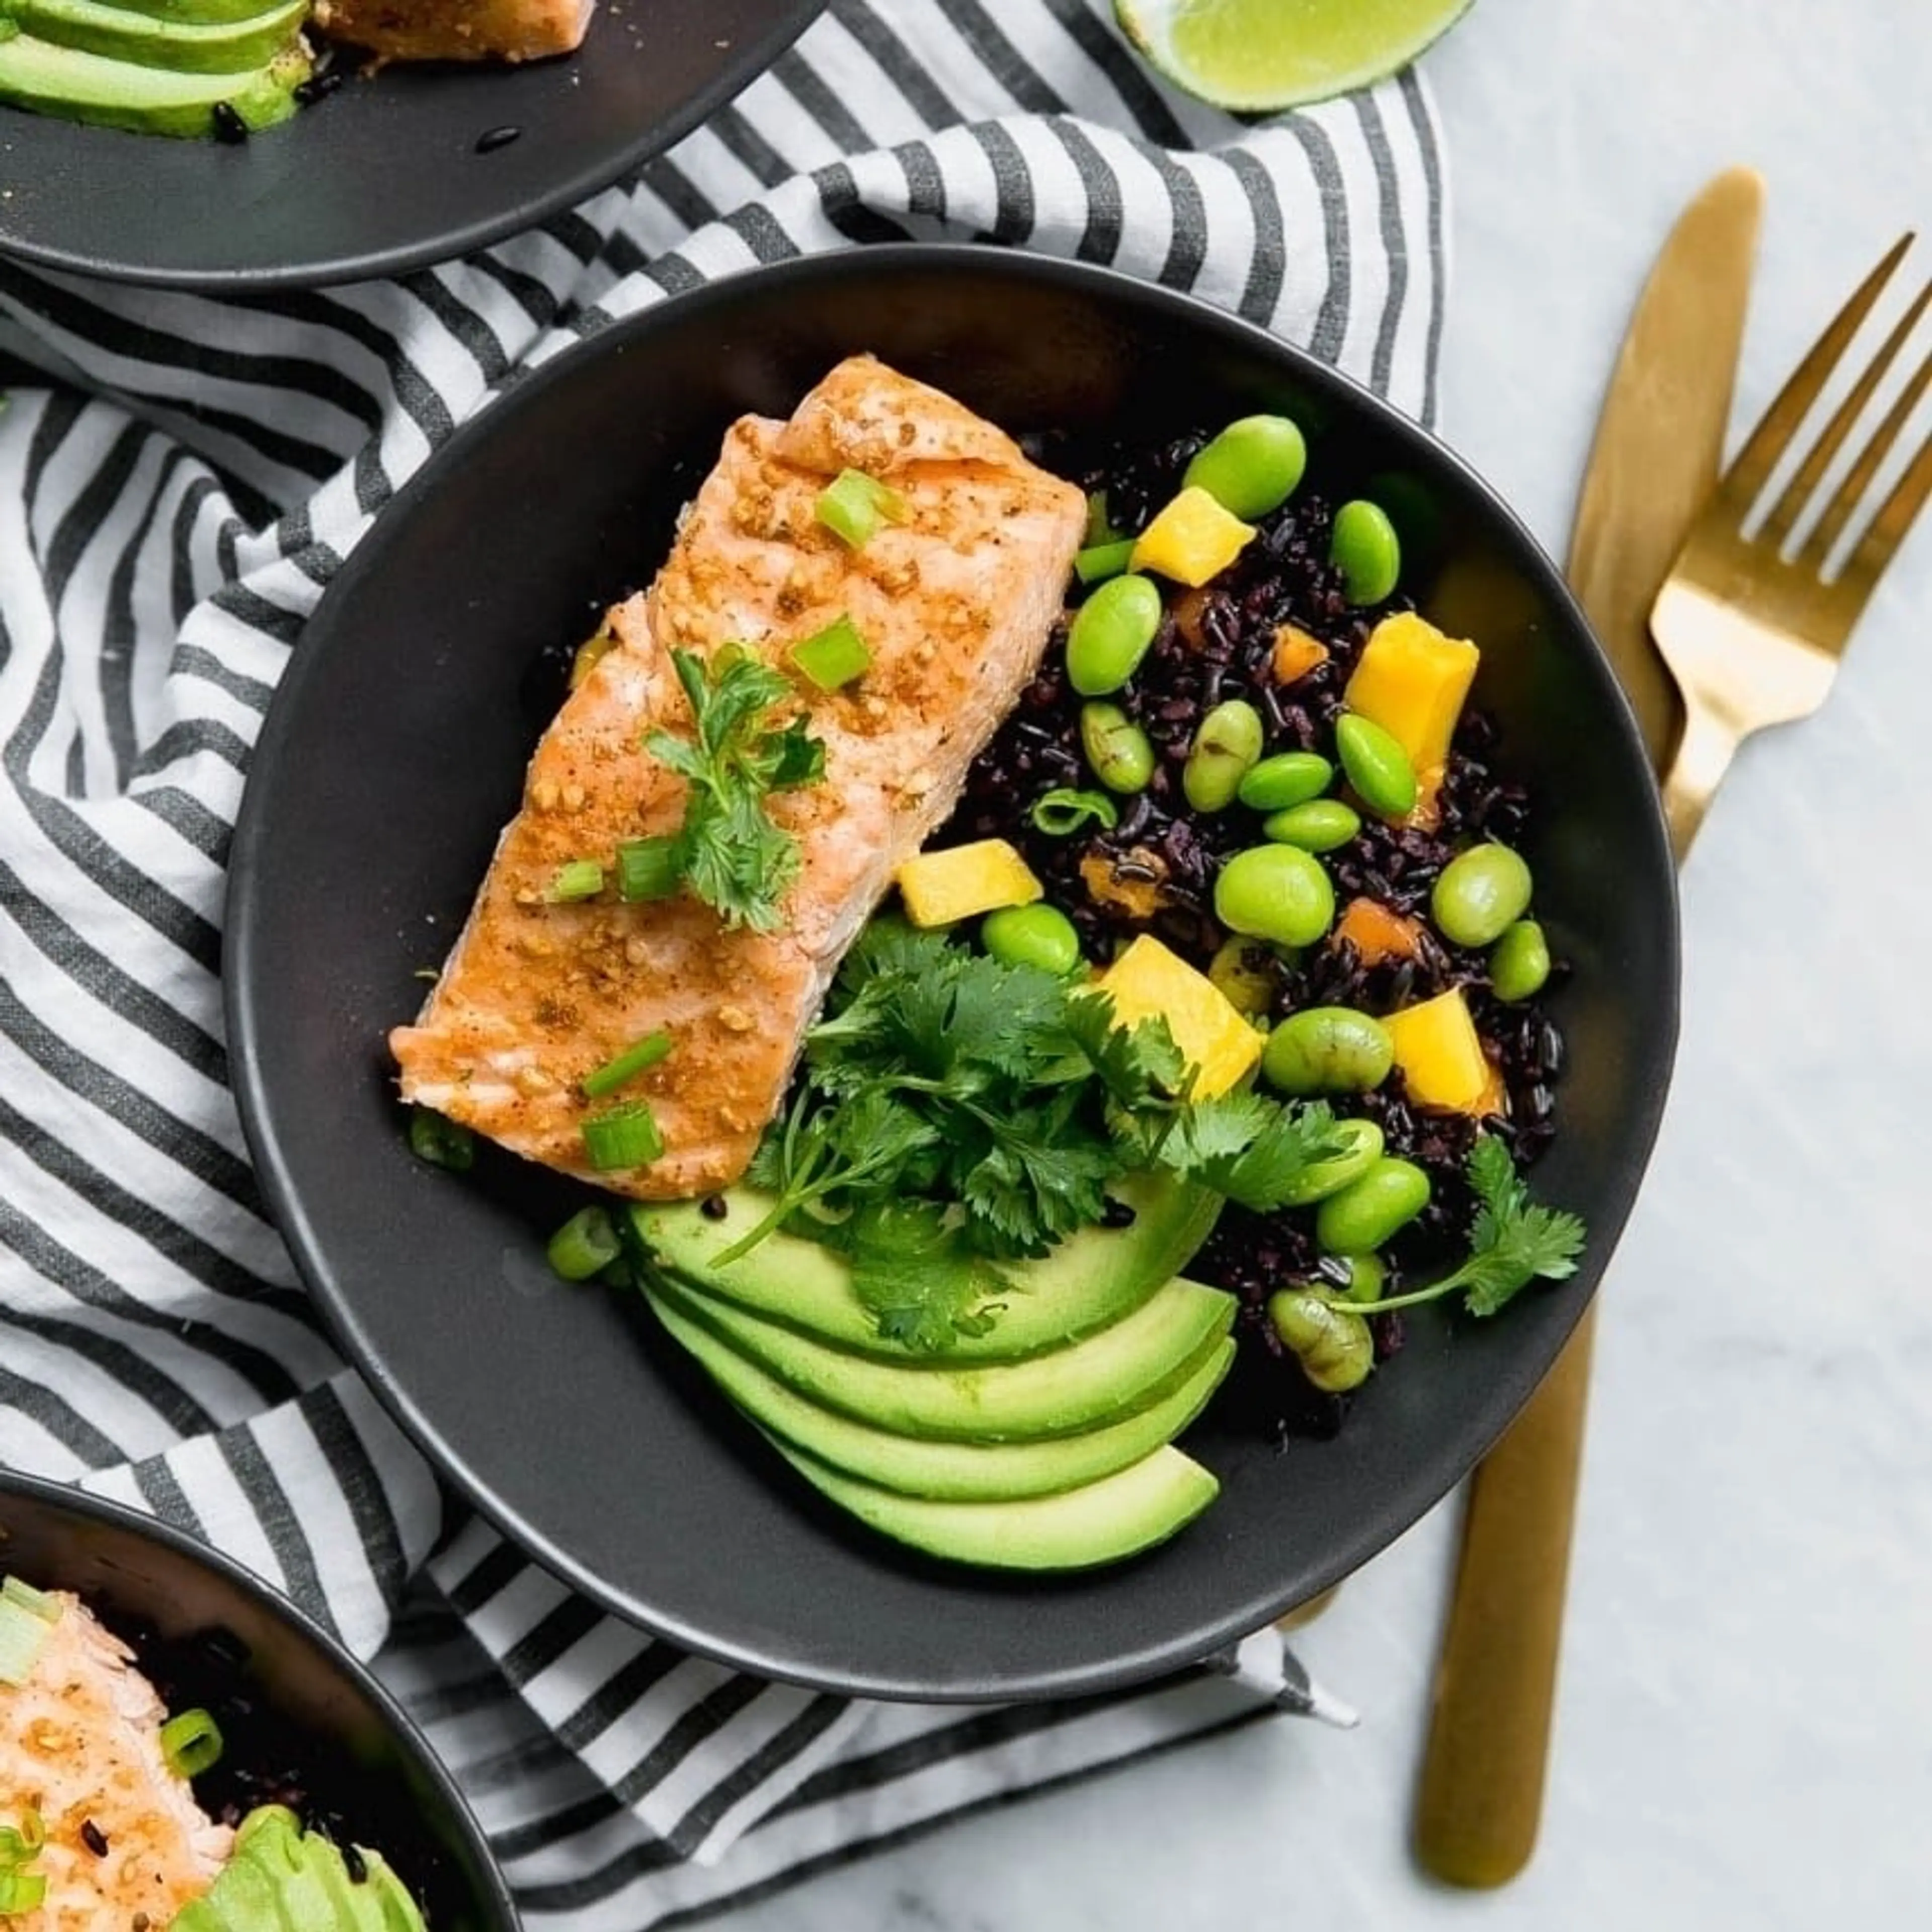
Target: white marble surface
(1744, 1736)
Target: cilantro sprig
(1514, 1241)
(728, 850)
(956, 1114)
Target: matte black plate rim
(464, 238)
(65, 1497)
(1400, 1508)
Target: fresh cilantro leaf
(727, 850)
(1042, 1178)
(1251, 1149)
(911, 1269)
(1137, 1064)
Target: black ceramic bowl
(291, 1702)
(394, 754)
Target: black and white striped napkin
(180, 477)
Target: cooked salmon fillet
(80, 1743)
(507, 30)
(955, 603)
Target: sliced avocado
(78, 86)
(954, 1472)
(192, 12)
(282, 1878)
(1125, 1368)
(226, 46)
(1099, 1523)
(1089, 1281)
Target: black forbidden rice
(1282, 576)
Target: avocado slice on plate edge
(1101, 1522)
(1124, 1367)
(948, 1471)
(80, 86)
(183, 45)
(1090, 1280)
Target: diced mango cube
(1412, 680)
(941, 888)
(1376, 931)
(1148, 982)
(1295, 654)
(1192, 539)
(1441, 1057)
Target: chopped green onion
(625, 1136)
(1062, 811)
(628, 1065)
(648, 869)
(1100, 561)
(23, 1636)
(41, 1602)
(191, 1743)
(19, 1842)
(584, 1246)
(441, 1141)
(853, 504)
(1099, 522)
(835, 656)
(21, 1892)
(577, 879)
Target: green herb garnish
(191, 1743)
(852, 505)
(727, 850)
(575, 879)
(1513, 1241)
(833, 657)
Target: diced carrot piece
(1376, 931)
(1137, 897)
(1296, 654)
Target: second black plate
(386, 175)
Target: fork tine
(1888, 529)
(1797, 492)
(1857, 479)
(1746, 477)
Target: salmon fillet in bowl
(176, 1738)
(701, 695)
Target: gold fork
(1753, 639)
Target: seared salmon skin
(955, 601)
(80, 1744)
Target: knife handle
(1481, 1796)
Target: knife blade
(1658, 446)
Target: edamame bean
(1226, 745)
(1328, 1050)
(1110, 635)
(1253, 466)
(1363, 1148)
(1289, 778)
(1032, 935)
(1372, 1208)
(1275, 892)
(1319, 826)
(1480, 895)
(1374, 762)
(1364, 548)
(1116, 747)
(1519, 963)
(1243, 969)
(1332, 1344)
(1367, 1273)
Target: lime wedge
(1252, 56)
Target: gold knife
(1659, 445)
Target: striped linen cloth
(180, 478)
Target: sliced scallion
(576, 879)
(191, 1743)
(1063, 811)
(835, 655)
(852, 505)
(23, 1636)
(584, 1246)
(1100, 561)
(628, 1065)
(41, 1602)
(19, 1842)
(441, 1141)
(1099, 522)
(648, 869)
(623, 1136)
(21, 1892)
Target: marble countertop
(1744, 1733)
